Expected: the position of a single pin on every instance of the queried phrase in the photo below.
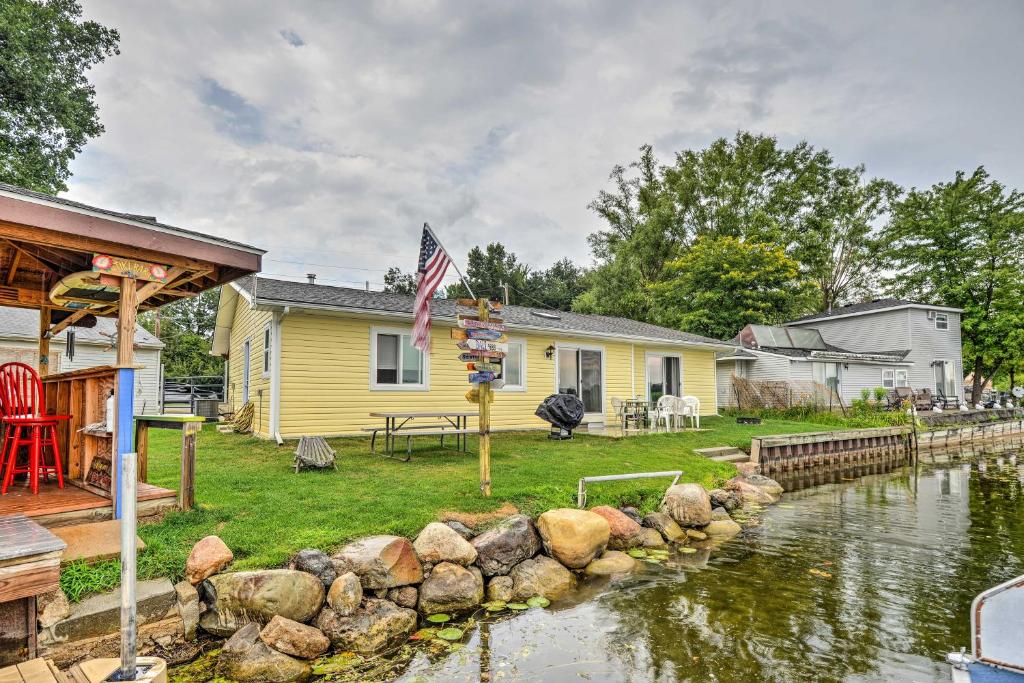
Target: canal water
(866, 578)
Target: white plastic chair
(689, 406)
(665, 410)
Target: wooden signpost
(484, 340)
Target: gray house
(883, 343)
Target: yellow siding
(249, 324)
(325, 377)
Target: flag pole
(426, 226)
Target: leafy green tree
(47, 106)
(488, 269)
(723, 283)
(836, 243)
(556, 287)
(960, 243)
(397, 282)
(186, 329)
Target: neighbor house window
(396, 363)
(266, 351)
(889, 379)
(513, 366)
(901, 378)
(942, 321)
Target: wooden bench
(421, 431)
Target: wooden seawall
(788, 453)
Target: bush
(860, 415)
(865, 394)
(881, 393)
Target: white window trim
(952, 363)
(374, 386)
(647, 371)
(891, 372)
(516, 388)
(906, 378)
(945, 319)
(605, 400)
(267, 357)
(246, 369)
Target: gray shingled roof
(151, 220)
(866, 307)
(299, 293)
(23, 324)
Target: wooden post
(485, 418)
(189, 430)
(126, 312)
(142, 448)
(44, 341)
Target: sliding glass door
(579, 373)
(663, 377)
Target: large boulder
(406, 596)
(246, 658)
(315, 562)
(650, 538)
(295, 639)
(377, 625)
(451, 588)
(380, 562)
(687, 504)
(513, 540)
(632, 513)
(460, 528)
(755, 489)
(242, 597)
(722, 528)
(440, 543)
(573, 537)
(612, 562)
(730, 500)
(345, 595)
(541, 576)
(209, 556)
(189, 608)
(623, 531)
(666, 526)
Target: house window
(395, 362)
(266, 351)
(513, 367)
(580, 371)
(889, 379)
(901, 378)
(663, 376)
(945, 378)
(942, 321)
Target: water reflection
(857, 578)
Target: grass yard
(248, 494)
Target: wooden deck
(74, 504)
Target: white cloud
(329, 132)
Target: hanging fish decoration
(69, 344)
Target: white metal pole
(128, 485)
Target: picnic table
(403, 424)
(189, 426)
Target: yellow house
(317, 360)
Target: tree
(186, 328)
(397, 282)
(488, 269)
(556, 287)
(47, 106)
(959, 244)
(724, 283)
(836, 244)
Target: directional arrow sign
(480, 355)
(482, 325)
(489, 335)
(484, 367)
(479, 377)
(481, 345)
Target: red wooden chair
(27, 424)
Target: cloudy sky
(327, 132)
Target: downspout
(275, 376)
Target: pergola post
(44, 341)
(125, 498)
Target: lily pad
(653, 560)
(439, 618)
(538, 601)
(518, 606)
(424, 634)
(636, 552)
(494, 605)
(451, 633)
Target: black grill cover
(562, 410)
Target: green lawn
(248, 494)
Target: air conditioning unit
(931, 315)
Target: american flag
(431, 269)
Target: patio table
(638, 409)
(444, 423)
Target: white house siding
(877, 331)
(723, 375)
(859, 376)
(930, 344)
(769, 368)
(147, 378)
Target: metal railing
(182, 392)
(581, 492)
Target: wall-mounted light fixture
(549, 352)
